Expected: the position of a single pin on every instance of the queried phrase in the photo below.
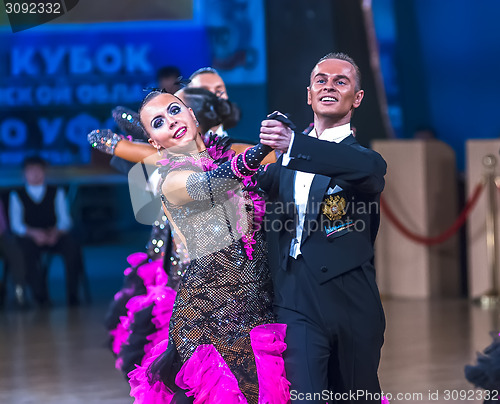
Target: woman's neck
(200, 144)
(195, 147)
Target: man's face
(34, 174)
(332, 92)
(211, 82)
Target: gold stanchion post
(491, 298)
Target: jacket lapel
(287, 187)
(316, 194)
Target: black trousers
(334, 334)
(71, 252)
(11, 251)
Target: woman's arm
(136, 152)
(241, 147)
(184, 187)
(181, 187)
(110, 143)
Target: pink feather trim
(208, 378)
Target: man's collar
(38, 186)
(35, 189)
(335, 134)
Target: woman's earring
(159, 151)
(197, 124)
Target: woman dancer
(223, 345)
(139, 314)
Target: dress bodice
(212, 224)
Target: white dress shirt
(37, 193)
(303, 181)
(221, 132)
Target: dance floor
(58, 355)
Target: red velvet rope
(443, 236)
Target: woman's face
(169, 122)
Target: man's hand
(42, 237)
(39, 236)
(52, 236)
(275, 134)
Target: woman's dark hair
(209, 110)
(233, 118)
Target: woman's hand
(104, 140)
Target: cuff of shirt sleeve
(63, 228)
(286, 156)
(20, 231)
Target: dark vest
(39, 215)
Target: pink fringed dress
(224, 345)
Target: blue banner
(60, 82)
(236, 29)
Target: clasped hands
(275, 133)
(44, 237)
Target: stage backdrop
(440, 61)
(61, 79)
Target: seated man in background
(39, 216)
(13, 259)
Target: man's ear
(308, 96)
(357, 98)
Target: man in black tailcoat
(326, 190)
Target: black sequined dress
(222, 326)
(133, 321)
